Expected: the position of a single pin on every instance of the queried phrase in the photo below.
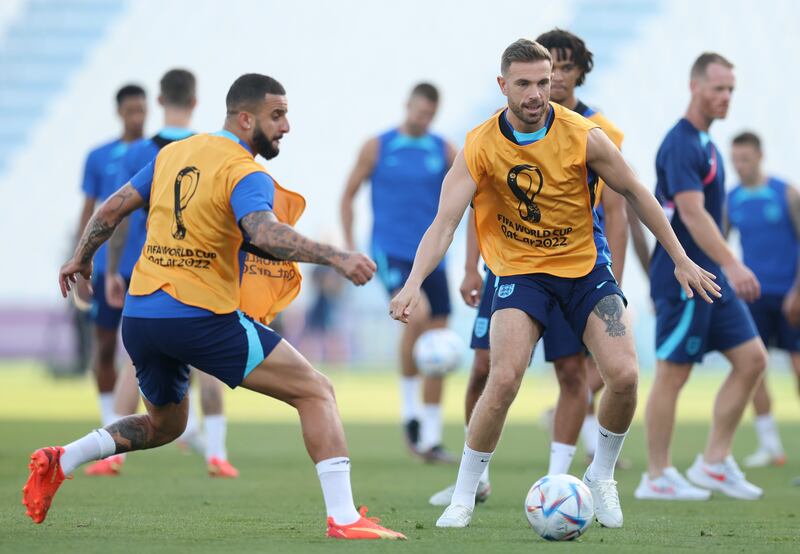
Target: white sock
(410, 388)
(96, 445)
(473, 464)
(589, 434)
(334, 476)
(768, 437)
(192, 422)
(485, 475)
(430, 433)
(561, 455)
(215, 426)
(609, 445)
(107, 415)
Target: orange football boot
(364, 528)
(45, 478)
(217, 467)
(107, 467)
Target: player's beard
(263, 145)
(518, 111)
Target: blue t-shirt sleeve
(254, 193)
(683, 167)
(91, 179)
(143, 180)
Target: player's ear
(245, 120)
(502, 82)
(160, 100)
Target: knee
(167, 429)
(625, 379)
(755, 364)
(211, 397)
(571, 375)
(479, 374)
(504, 383)
(323, 388)
(106, 349)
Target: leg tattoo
(610, 310)
(132, 433)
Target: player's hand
(791, 307)
(743, 281)
(356, 267)
(694, 278)
(115, 290)
(71, 272)
(471, 288)
(404, 302)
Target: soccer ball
(559, 507)
(438, 352)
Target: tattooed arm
(283, 242)
(100, 227)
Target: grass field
(164, 502)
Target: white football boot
(444, 496)
(607, 509)
(670, 485)
(455, 516)
(726, 478)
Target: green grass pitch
(164, 502)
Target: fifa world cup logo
(525, 182)
(185, 187)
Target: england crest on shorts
(481, 327)
(504, 291)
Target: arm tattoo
(610, 310)
(285, 243)
(96, 233)
(132, 433)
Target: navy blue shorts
(559, 339)
(772, 325)
(394, 272)
(101, 313)
(539, 295)
(226, 346)
(688, 328)
(480, 331)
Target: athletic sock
(96, 445)
(215, 427)
(430, 427)
(609, 445)
(589, 434)
(107, 416)
(485, 474)
(334, 477)
(561, 455)
(410, 388)
(192, 421)
(473, 463)
(768, 437)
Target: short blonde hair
(523, 50)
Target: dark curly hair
(561, 41)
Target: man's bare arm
(283, 242)
(616, 223)
(360, 173)
(607, 161)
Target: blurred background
(348, 67)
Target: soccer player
(571, 62)
(766, 211)
(205, 194)
(406, 166)
(99, 182)
(178, 97)
(531, 172)
(690, 186)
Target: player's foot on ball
(364, 528)
(438, 455)
(455, 516)
(107, 467)
(725, 477)
(607, 509)
(444, 496)
(763, 458)
(411, 433)
(670, 485)
(45, 478)
(217, 467)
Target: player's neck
(570, 103)
(238, 134)
(697, 119)
(521, 127)
(131, 136)
(406, 129)
(180, 119)
(755, 181)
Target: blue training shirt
(406, 183)
(687, 160)
(255, 192)
(100, 182)
(769, 240)
(139, 155)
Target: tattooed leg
(161, 425)
(610, 310)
